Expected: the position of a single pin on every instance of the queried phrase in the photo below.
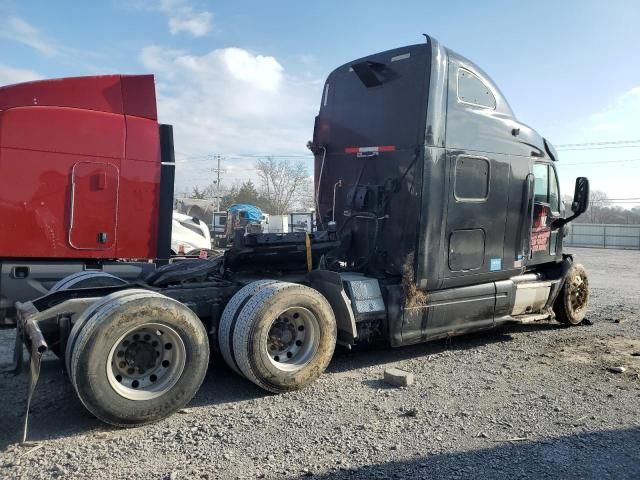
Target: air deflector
(369, 73)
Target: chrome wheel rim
(293, 339)
(146, 361)
(578, 293)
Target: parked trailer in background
(438, 214)
(278, 224)
(219, 224)
(301, 222)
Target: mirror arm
(561, 222)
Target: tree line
(602, 210)
(282, 186)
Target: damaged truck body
(438, 213)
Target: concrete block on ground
(398, 378)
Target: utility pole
(217, 171)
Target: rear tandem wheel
(137, 356)
(284, 337)
(227, 324)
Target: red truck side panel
(63, 130)
(79, 176)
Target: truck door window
(471, 90)
(546, 186)
(541, 188)
(554, 191)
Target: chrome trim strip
(404, 56)
(438, 90)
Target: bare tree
(597, 201)
(305, 199)
(281, 181)
(197, 193)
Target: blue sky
(246, 77)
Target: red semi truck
(86, 177)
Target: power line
(599, 162)
(598, 148)
(588, 144)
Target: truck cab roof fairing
(370, 101)
(502, 105)
(507, 136)
(119, 94)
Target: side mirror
(580, 196)
(580, 202)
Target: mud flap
(329, 284)
(28, 332)
(34, 375)
(567, 261)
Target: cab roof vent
(369, 73)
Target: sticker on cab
(495, 264)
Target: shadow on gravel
(594, 455)
(56, 411)
(370, 355)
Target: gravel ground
(518, 402)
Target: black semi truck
(438, 213)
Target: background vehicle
(438, 214)
(219, 224)
(242, 218)
(189, 234)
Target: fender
(329, 284)
(565, 265)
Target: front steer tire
(99, 350)
(571, 305)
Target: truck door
(476, 215)
(94, 205)
(545, 242)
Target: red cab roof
(121, 94)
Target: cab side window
(471, 90)
(546, 186)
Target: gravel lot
(518, 402)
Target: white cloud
(21, 31)
(10, 75)
(230, 101)
(184, 18)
